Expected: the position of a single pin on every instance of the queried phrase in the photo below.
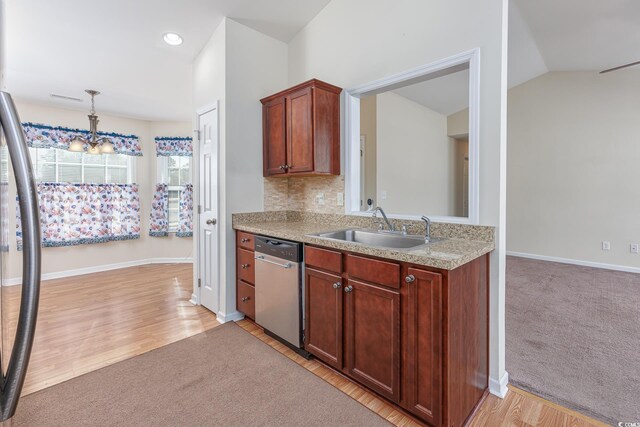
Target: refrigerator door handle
(12, 383)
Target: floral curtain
(173, 146)
(159, 218)
(75, 214)
(44, 136)
(185, 223)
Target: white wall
(368, 128)
(63, 259)
(255, 66)
(415, 158)
(352, 42)
(573, 165)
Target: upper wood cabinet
(301, 130)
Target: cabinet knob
(245, 266)
(410, 278)
(337, 285)
(283, 167)
(348, 289)
(244, 240)
(245, 299)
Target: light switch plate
(340, 199)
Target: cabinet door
(372, 344)
(323, 324)
(274, 137)
(300, 131)
(421, 308)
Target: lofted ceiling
(446, 95)
(66, 46)
(571, 35)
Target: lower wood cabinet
(373, 337)
(416, 336)
(422, 309)
(323, 324)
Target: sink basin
(376, 238)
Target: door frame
(196, 297)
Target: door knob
(211, 222)
(337, 285)
(410, 278)
(348, 289)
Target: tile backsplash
(307, 194)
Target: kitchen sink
(376, 238)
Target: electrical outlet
(320, 198)
(606, 245)
(340, 199)
(634, 248)
(383, 195)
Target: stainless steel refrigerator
(17, 332)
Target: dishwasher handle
(262, 258)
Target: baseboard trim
(100, 268)
(605, 266)
(499, 387)
(231, 317)
(194, 299)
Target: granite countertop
(447, 254)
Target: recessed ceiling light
(173, 39)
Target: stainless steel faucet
(384, 216)
(427, 234)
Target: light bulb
(76, 145)
(107, 148)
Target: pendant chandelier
(94, 144)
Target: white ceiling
(446, 95)
(116, 47)
(571, 35)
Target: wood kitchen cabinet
(416, 336)
(245, 272)
(323, 325)
(301, 130)
(422, 343)
(373, 337)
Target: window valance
(44, 136)
(75, 214)
(174, 146)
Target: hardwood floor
(88, 322)
(91, 321)
(519, 408)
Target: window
(175, 171)
(53, 165)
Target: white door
(208, 206)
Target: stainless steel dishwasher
(279, 291)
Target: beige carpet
(223, 376)
(573, 336)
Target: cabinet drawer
(374, 271)
(245, 299)
(323, 259)
(246, 266)
(246, 241)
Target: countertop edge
(422, 260)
